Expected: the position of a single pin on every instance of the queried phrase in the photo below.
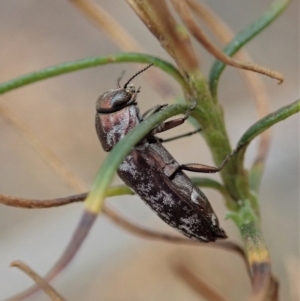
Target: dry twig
(118, 220)
(183, 11)
(157, 17)
(51, 292)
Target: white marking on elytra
(156, 206)
(167, 199)
(161, 196)
(128, 166)
(166, 217)
(185, 229)
(117, 131)
(145, 188)
(193, 236)
(158, 202)
(191, 220)
(214, 219)
(188, 223)
(195, 196)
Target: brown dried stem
(118, 220)
(51, 292)
(196, 283)
(172, 37)
(183, 11)
(41, 204)
(252, 80)
(214, 22)
(150, 234)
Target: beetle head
(117, 99)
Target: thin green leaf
(95, 199)
(255, 173)
(242, 38)
(269, 120)
(119, 190)
(125, 57)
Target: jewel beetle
(151, 171)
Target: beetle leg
(179, 136)
(170, 124)
(195, 167)
(153, 110)
(167, 126)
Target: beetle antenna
(125, 86)
(120, 78)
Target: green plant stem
(269, 120)
(209, 115)
(125, 57)
(256, 250)
(242, 38)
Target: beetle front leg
(195, 167)
(179, 136)
(170, 124)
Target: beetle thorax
(112, 127)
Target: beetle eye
(120, 98)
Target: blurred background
(113, 264)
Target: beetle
(151, 171)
